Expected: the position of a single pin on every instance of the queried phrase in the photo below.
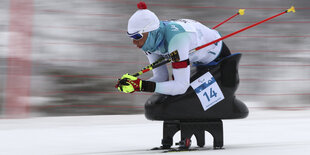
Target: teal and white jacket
(181, 35)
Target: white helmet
(143, 20)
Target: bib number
(207, 90)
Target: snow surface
(263, 132)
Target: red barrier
(19, 58)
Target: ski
(171, 150)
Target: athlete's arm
(181, 69)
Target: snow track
(263, 132)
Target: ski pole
(155, 64)
(292, 9)
(172, 56)
(163, 61)
(240, 12)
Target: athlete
(161, 38)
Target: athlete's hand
(129, 84)
(122, 81)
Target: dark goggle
(136, 36)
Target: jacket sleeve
(180, 42)
(160, 74)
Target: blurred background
(63, 57)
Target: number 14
(212, 94)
